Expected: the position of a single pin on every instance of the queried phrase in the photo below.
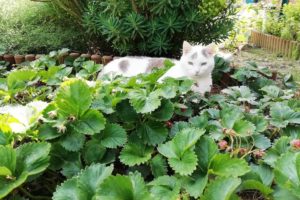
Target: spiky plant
(158, 27)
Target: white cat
(196, 63)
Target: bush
(158, 27)
(35, 27)
(292, 20)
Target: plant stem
(28, 194)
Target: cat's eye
(191, 63)
(204, 63)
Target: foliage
(36, 27)
(285, 22)
(158, 27)
(134, 138)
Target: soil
(264, 58)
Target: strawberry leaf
(221, 188)
(179, 150)
(135, 152)
(123, 187)
(83, 186)
(152, 132)
(223, 165)
(73, 98)
(90, 123)
(165, 188)
(113, 135)
(143, 102)
(158, 166)
(287, 172)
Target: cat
(196, 63)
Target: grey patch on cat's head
(123, 65)
(204, 52)
(195, 55)
(155, 62)
(208, 52)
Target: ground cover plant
(64, 135)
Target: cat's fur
(196, 63)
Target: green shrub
(292, 20)
(158, 27)
(36, 27)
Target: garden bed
(135, 138)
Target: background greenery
(149, 27)
(35, 27)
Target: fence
(287, 48)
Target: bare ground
(264, 58)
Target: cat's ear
(209, 51)
(186, 48)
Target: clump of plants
(158, 27)
(65, 135)
(37, 27)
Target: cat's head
(197, 60)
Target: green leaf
(281, 193)
(28, 159)
(152, 132)
(143, 102)
(282, 115)
(256, 185)
(223, 165)
(158, 166)
(113, 135)
(123, 187)
(8, 160)
(199, 121)
(221, 188)
(17, 80)
(184, 165)
(72, 141)
(164, 112)
(287, 172)
(265, 173)
(4, 171)
(195, 184)
(261, 142)
(73, 98)
(71, 168)
(69, 191)
(135, 152)
(229, 115)
(165, 188)
(33, 157)
(93, 152)
(179, 150)
(168, 91)
(126, 112)
(205, 149)
(47, 132)
(90, 123)
(178, 126)
(83, 186)
(243, 128)
(7, 186)
(261, 124)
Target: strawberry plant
(65, 135)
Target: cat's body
(196, 63)
(131, 66)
